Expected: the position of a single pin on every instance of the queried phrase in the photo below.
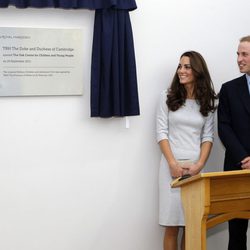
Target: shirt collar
(248, 82)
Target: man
(234, 132)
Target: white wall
(68, 181)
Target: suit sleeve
(225, 130)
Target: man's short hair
(245, 39)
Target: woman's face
(185, 72)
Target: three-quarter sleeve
(208, 128)
(162, 118)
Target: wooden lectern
(212, 198)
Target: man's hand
(246, 163)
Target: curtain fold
(113, 69)
(113, 79)
(72, 4)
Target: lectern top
(177, 182)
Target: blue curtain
(113, 71)
(72, 4)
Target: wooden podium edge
(177, 182)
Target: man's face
(243, 59)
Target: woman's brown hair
(203, 88)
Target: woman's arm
(175, 169)
(162, 136)
(207, 135)
(204, 154)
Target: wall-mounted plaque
(41, 61)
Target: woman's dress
(185, 129)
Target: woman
(185, 123)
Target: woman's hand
(176, 170)
(194, 168)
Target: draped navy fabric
(72, 4)
(113, 84)
(113, 71)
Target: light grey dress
(185, 129)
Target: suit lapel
(244, 92)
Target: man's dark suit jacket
(234, 121)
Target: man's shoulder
(234, 82)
